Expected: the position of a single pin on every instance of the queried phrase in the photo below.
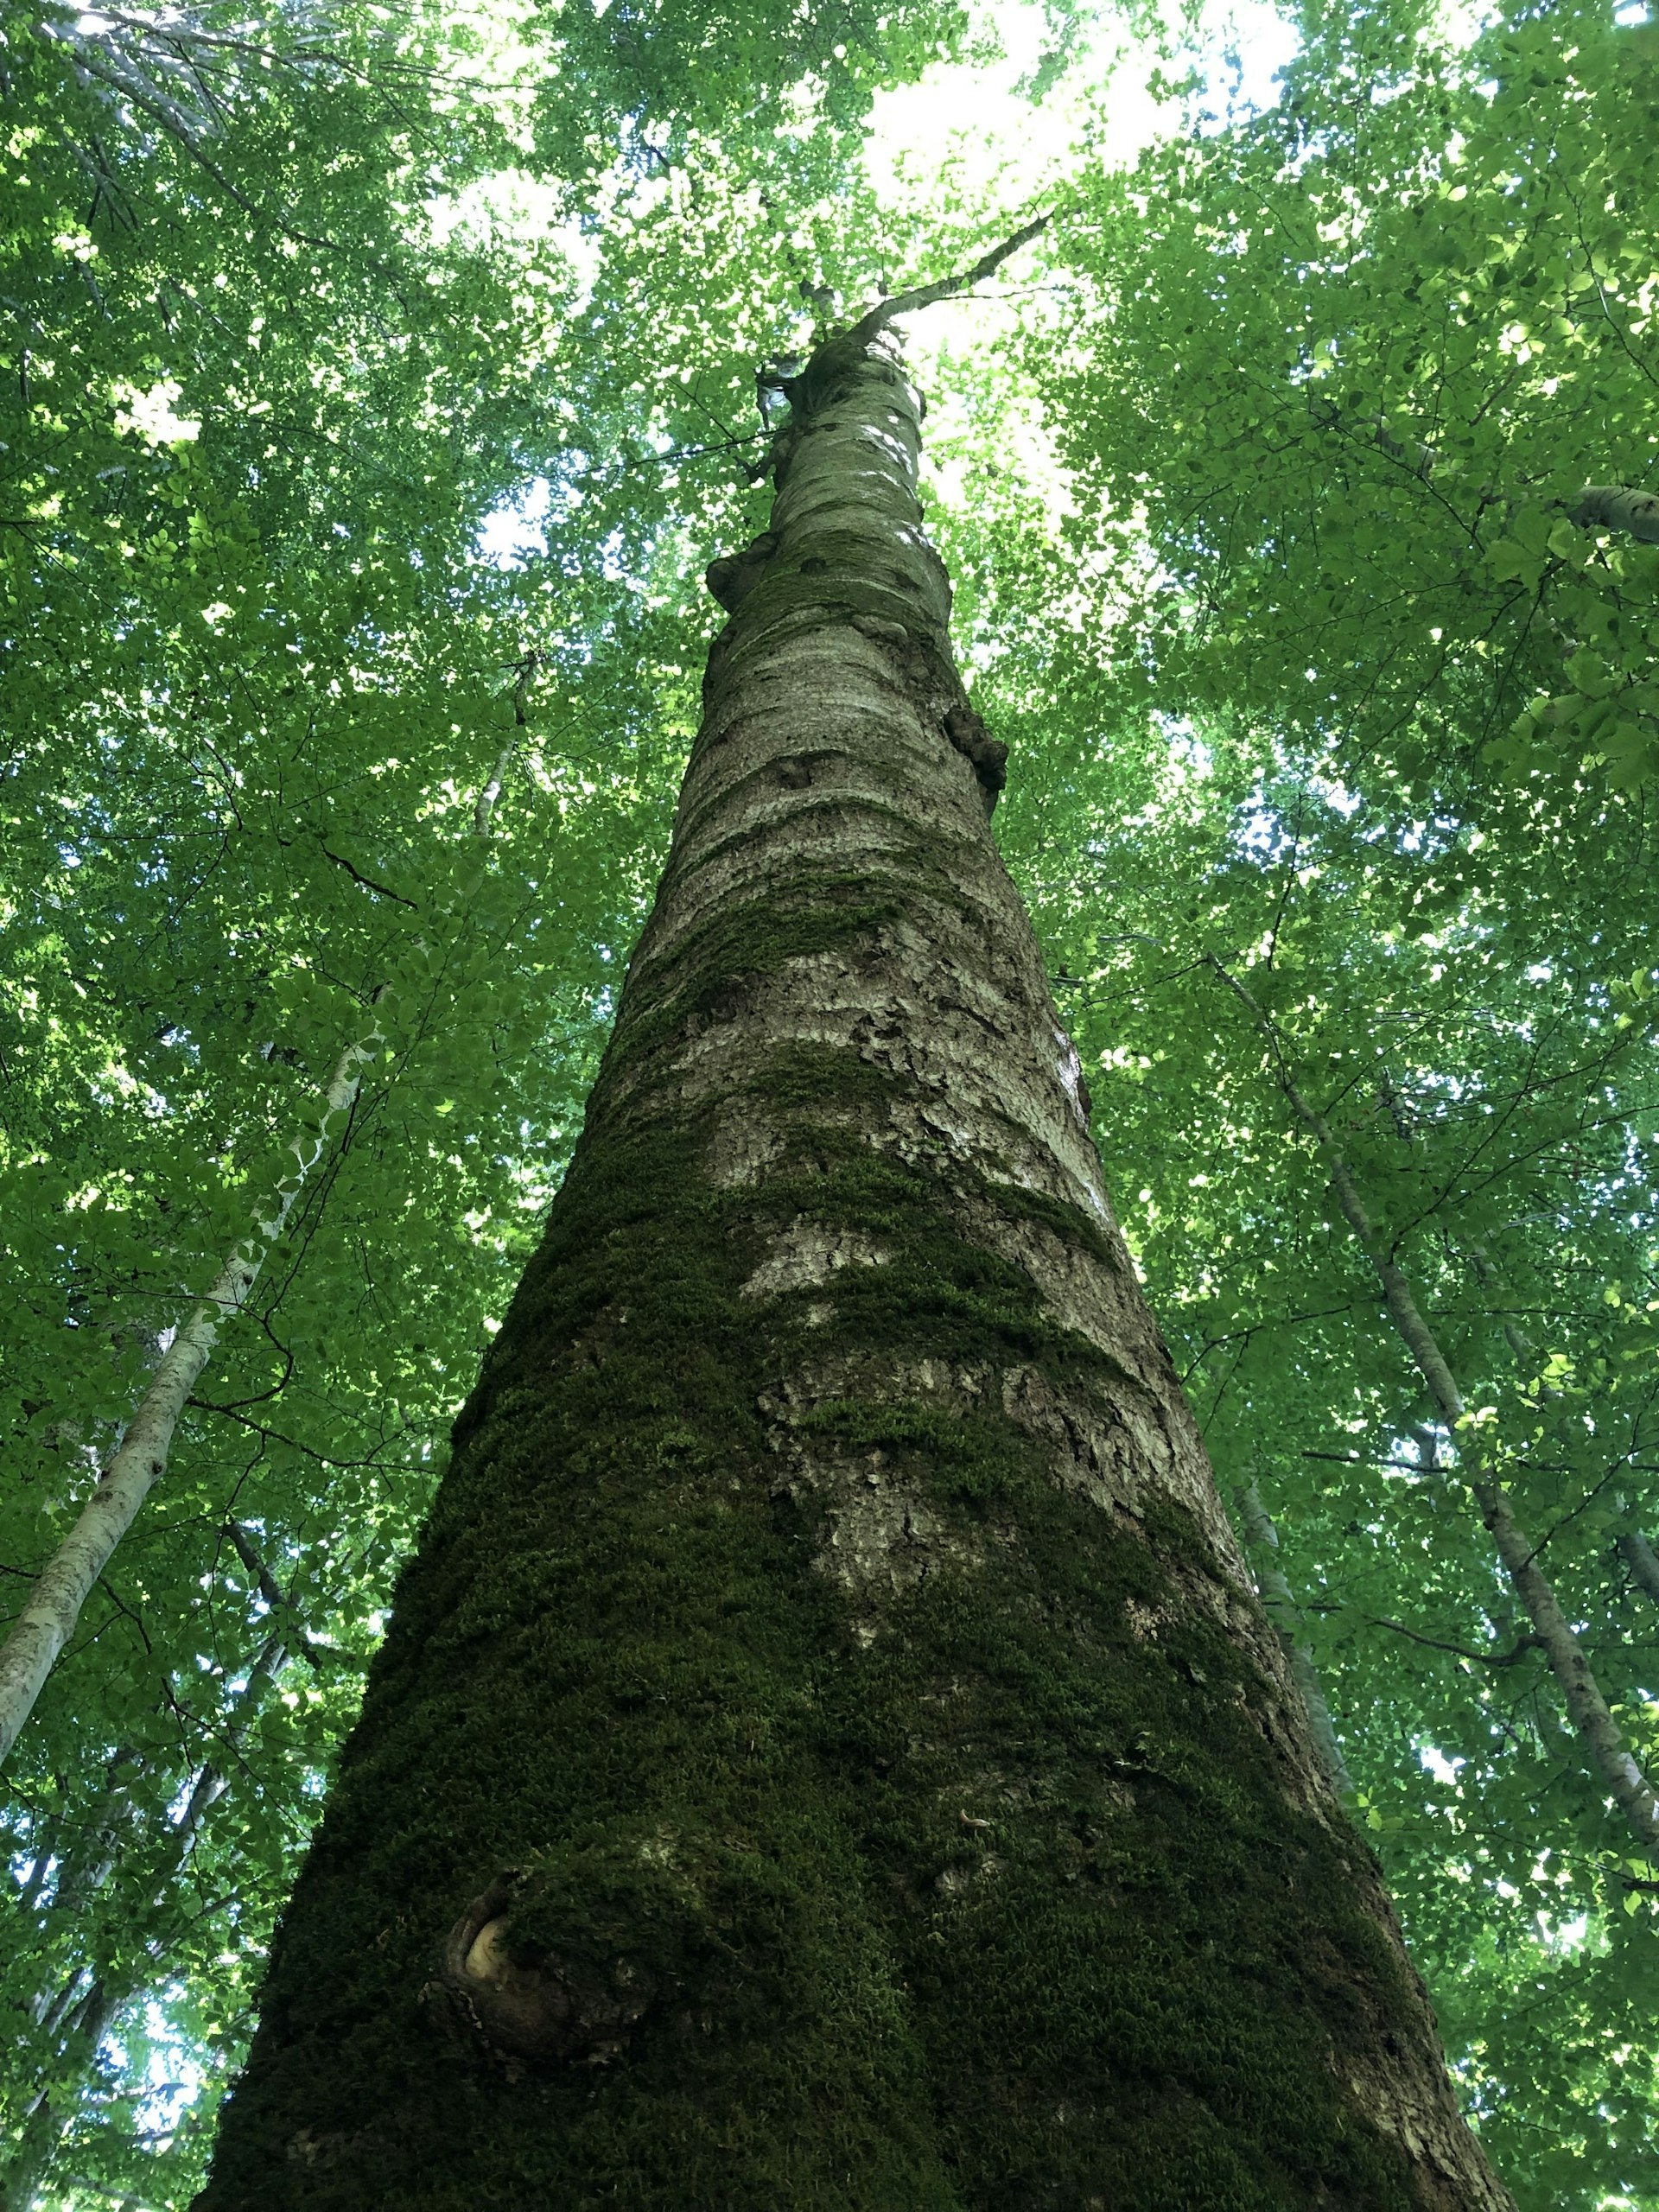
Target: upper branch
(873, 324)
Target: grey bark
(30, 2167)
(1619, 506)
(1605, 1747)
(1640, 1557)
(48, 1615)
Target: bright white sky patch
(971, 122)
(514, 532)
(968, 135)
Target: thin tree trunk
(30, 2165)
(48, 1617)
(1605, 1746)
(826, 1751)
(1630, 1543)
(53, 1607)
(1285, 1615)
(95, 2009)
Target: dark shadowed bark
(827, 1752)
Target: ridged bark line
(1286, 1616)
(53, 1607)
(826, 1750)
(1599, 1733)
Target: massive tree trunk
(827, 1752)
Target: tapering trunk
(827, 1752)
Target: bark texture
(827, 1752)
(1286, 1617)
(1619, 506)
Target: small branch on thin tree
(1605, 1748)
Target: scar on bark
(540, 2010)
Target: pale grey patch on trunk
(880, 1537)
(808, 1254)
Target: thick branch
(1619, 506)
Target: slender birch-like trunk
(826, 1751)
(30, 2166)
(1605, 1748)
(49, 1614)
(53, 1607)
(1285, 1615)
(83, 2016)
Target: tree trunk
(827, 1752)
(1605, 1748)
(1277, 1594)
(91, 2013)
(1619, 506)
(50, 1611)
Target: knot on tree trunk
(734, 576)
(534, 2006)
(558, 1962)
(987, 755)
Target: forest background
(375, 384)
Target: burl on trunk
(826, 1753)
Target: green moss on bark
(1006, 1910)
